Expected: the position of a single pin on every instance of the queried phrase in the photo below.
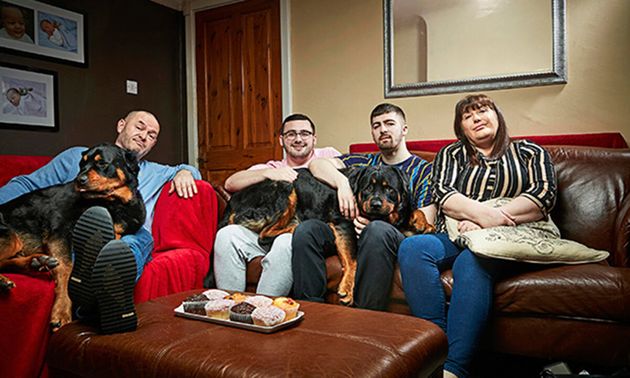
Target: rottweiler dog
(36, 228)
(271, 208)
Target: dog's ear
(355, 175)
(131, 166)
(131, 158)
(407, 203)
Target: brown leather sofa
(575, 313)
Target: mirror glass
(446, 46)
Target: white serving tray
(179, 311)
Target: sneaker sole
(114, 279)
(92, 232)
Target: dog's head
(108, 171)
(382, 193)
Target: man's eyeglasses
(292, 134)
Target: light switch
(132, 87)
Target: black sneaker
(92, 232)
(113, 280)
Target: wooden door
(238, 87)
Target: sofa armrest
(223, 197)
(185, 223)
(620, 256)
(183, 233)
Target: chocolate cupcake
(242, 312)
(195, 304)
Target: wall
(337, 75)
(134, 39)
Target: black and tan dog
(271, 208)
(36, 228)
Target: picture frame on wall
(29, 98)
(34, 28)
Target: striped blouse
(525, 169)
(417, 169)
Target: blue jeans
(421, 259)
(141, 245)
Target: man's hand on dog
(184, 184)
(359, 224)
(347, 202)
(281, 174)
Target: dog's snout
(82, 179)
(376, 203)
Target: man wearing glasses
(235, 245)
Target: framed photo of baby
(29, 98)
(32, 27)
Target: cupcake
(242, 312)
(195, 304)
(268, 316)
(219, 308)
(288, 305)
(259, 301)
(236, 297)
(213, 294)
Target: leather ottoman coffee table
(330, 340)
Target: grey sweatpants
(235, 246)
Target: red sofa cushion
(25, 330)
(15, 165)
(606, 140)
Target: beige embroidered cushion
(536, 242)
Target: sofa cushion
(25, 314)
(534, 242)
(15, 165)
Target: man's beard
(387, 145)
(304, 152)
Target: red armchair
(183, 232)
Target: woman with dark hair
(483, 164)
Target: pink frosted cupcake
(259, 301)
(268, 316)
(219, 308)
(213, 294)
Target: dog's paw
(345, 291)
(59, 319)
(43, 263)
(347, 300)
(429, 229)
(6, 284)
(418, 224)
